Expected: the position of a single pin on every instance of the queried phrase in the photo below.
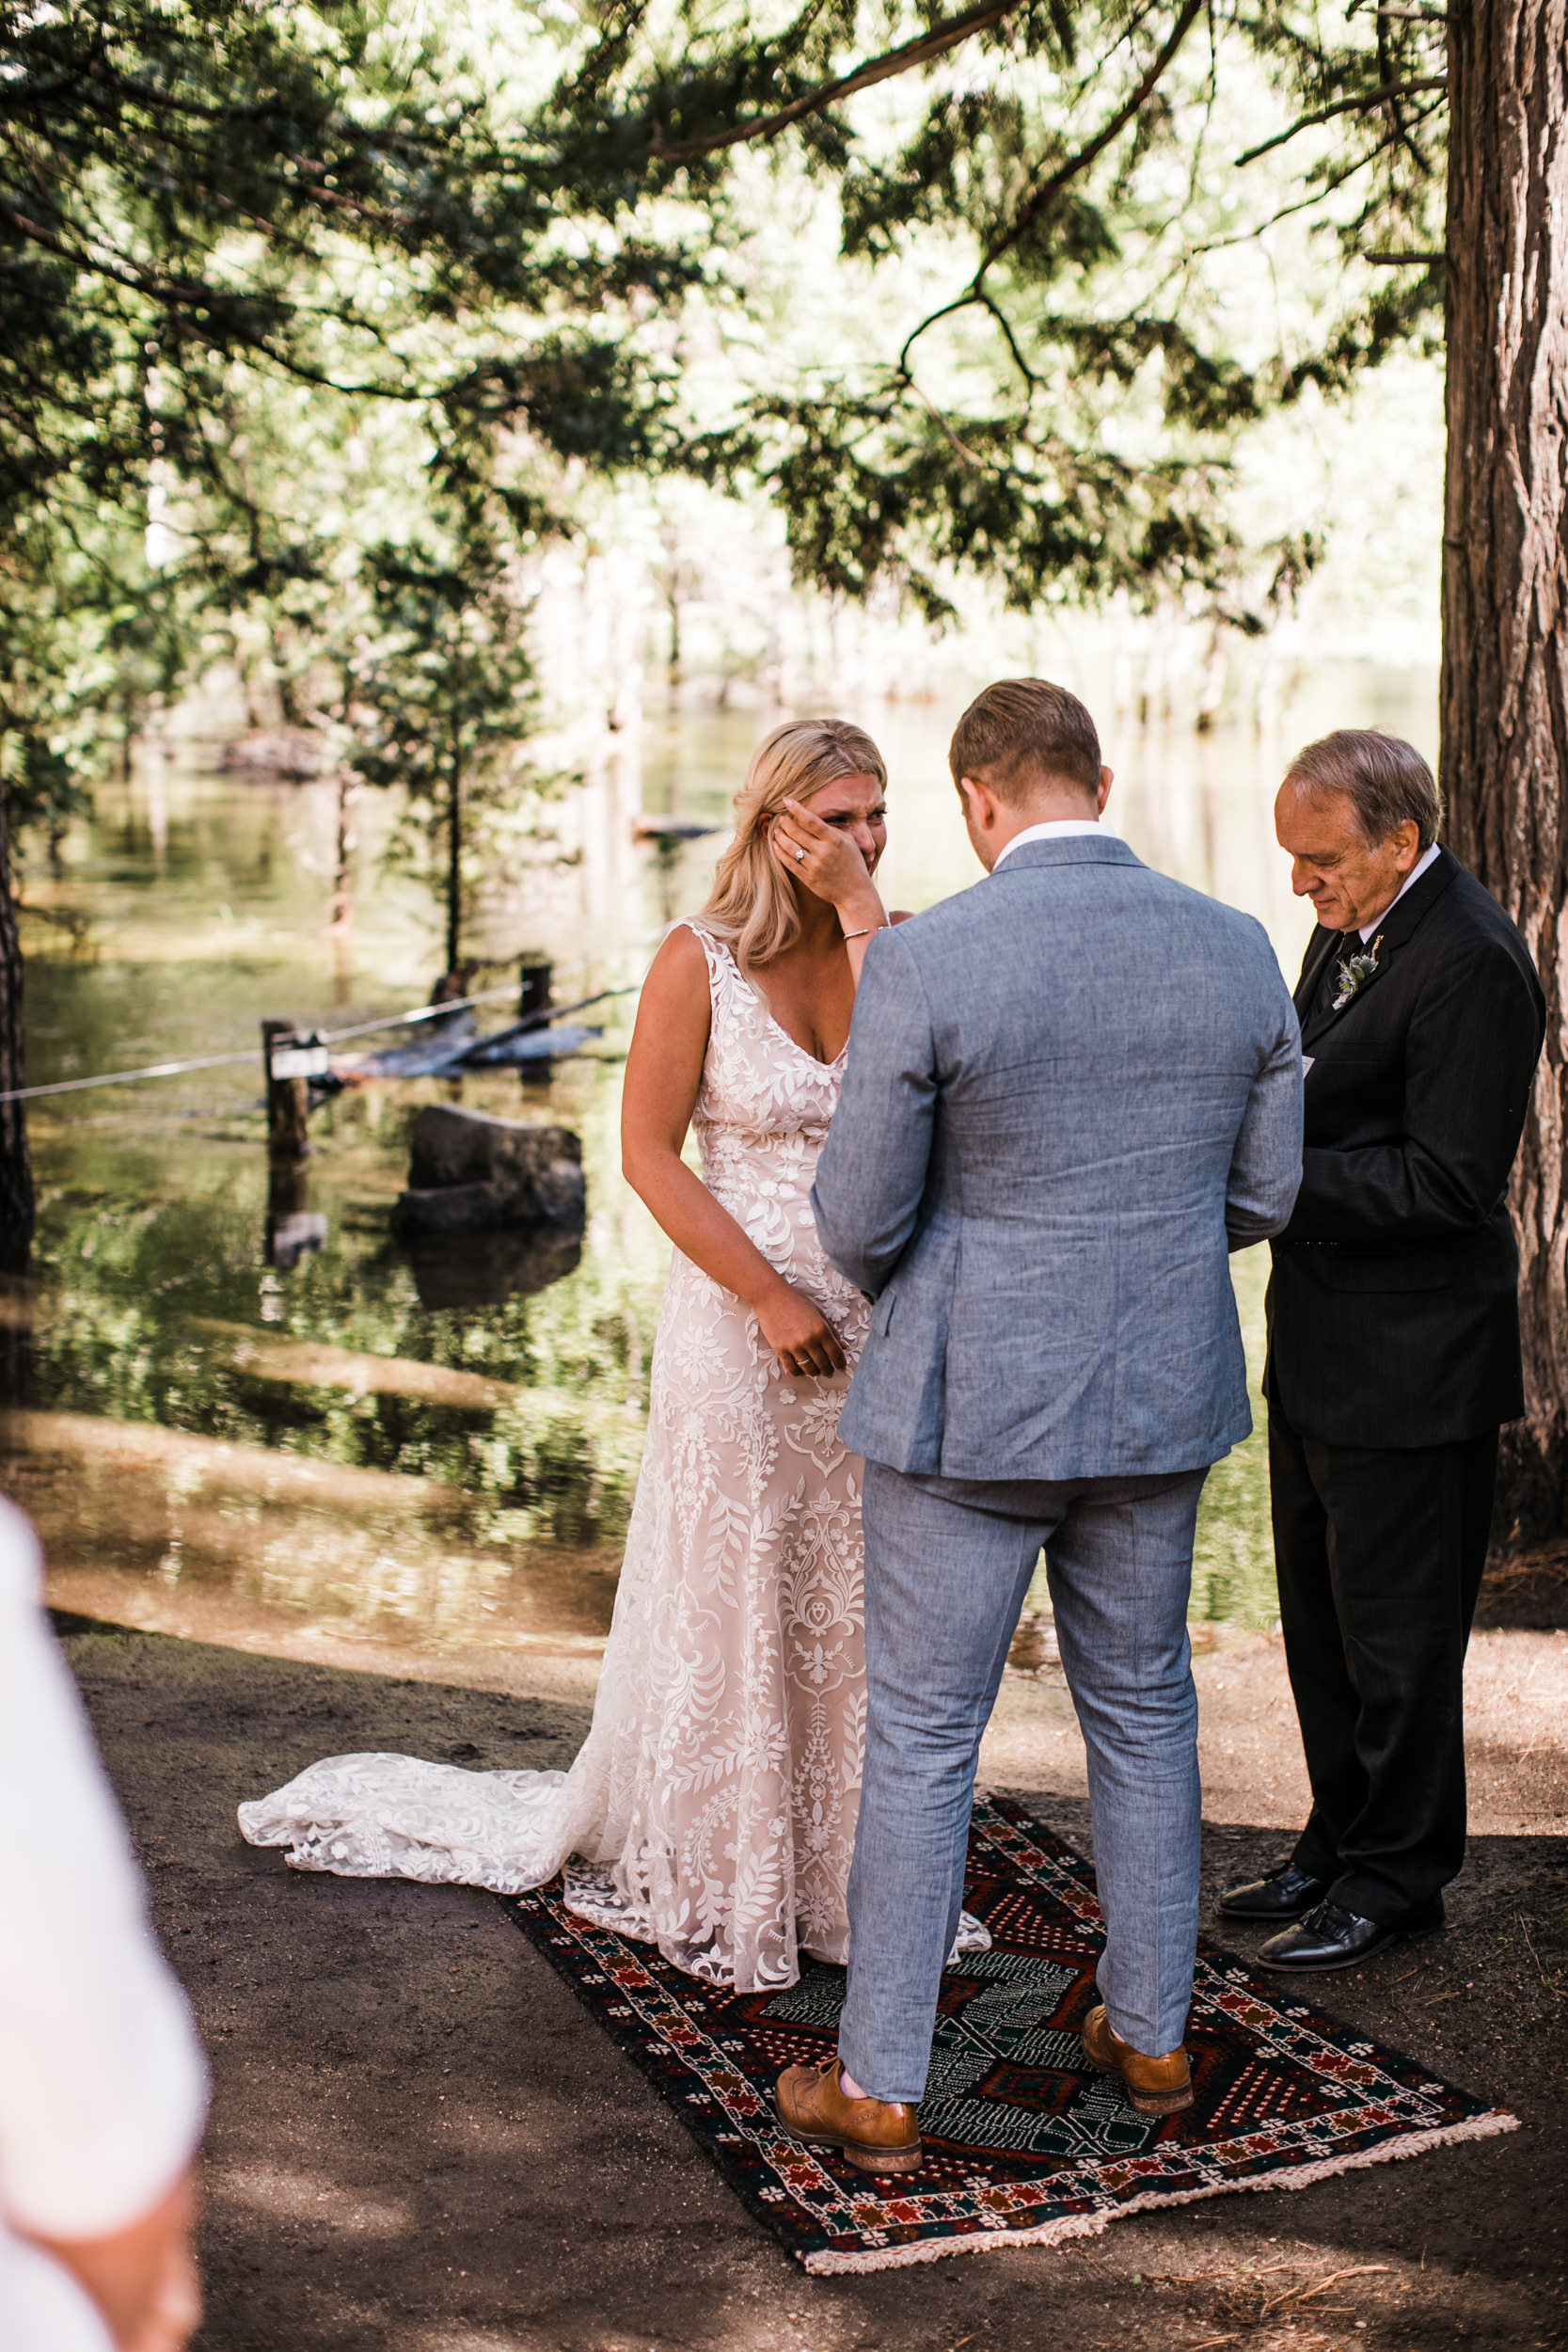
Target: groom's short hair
(1022, 733)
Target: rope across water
(325, 1036)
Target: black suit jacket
(1393, 1307)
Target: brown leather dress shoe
(876, 2134)
(1156, 2086)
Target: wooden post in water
(536, 975)
(288, 1096)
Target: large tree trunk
(1505, 618)
(16, 1166)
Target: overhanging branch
(1051, 186)
(1363, 105)
(902, 60)
(1030, 210)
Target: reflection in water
(139, 1270)
(251, 1414)
(482, 1269)
(293, 1228)
(495, 1208)
(263, 1548)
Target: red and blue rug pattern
(1025, 2144)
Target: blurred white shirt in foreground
(103, 2085)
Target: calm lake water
(307, 1456)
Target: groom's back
(1074, 1048)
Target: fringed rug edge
(1487, 2126)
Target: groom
(1069, 1090)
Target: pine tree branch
(1030, 378)
(1387, 71)
(959, 302)
(1345, 106)
(1334, 181)
(902, 60)
(1056, 181)
(1051, 187)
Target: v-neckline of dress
(772, 1019)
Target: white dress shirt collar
(1428, 857)
(1055, 829)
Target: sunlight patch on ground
(305, 2197)
(1516, 1733)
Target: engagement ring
(800, 857)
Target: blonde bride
(712, 1808)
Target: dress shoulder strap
(737, 1008)
(711, 947)
(723, 970)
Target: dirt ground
(420, 2142)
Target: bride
(712, 1808)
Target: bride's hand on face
(828, 862)
(803, 1342)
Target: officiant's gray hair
(1384, 779)
(754, 908)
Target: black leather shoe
(1332, 1937)
(1284, 1894)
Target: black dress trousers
(1380, 1552)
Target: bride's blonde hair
(755, 909)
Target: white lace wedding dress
(711, 1809)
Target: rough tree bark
(1505, 618)
(16, 1166)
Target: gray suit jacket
(1069, 1090)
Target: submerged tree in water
(441, 698)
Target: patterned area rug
(1024, 2143)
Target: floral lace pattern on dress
(712, 1808)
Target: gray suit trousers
(947, 1564)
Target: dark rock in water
(491, 1208)
(482, 1269)
(470, 1173)
(451, 1144)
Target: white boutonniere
(1355, 972)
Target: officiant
(1393, 1340)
